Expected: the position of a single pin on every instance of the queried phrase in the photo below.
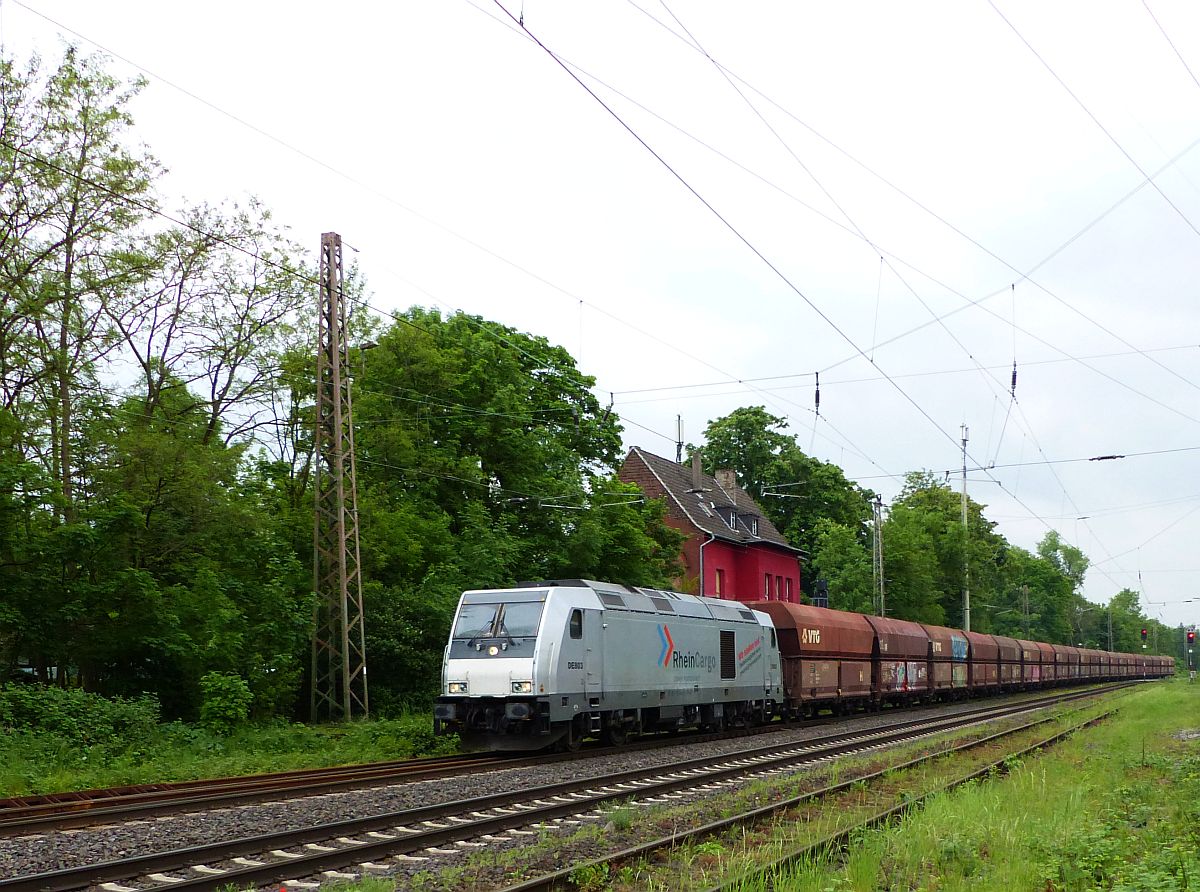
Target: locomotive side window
(576, 623)
(728, 660)
(773, 644)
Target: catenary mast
(339, 654)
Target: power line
(738, 234)
(865, 238)
(1026, 275)
(1094, 119)
(1067, 461)
(378, 193)
(873, 378)
(1171, 44)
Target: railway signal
(1144, 633)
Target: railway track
(378, 844)
(21, 815)
(762, 875)
(63, 811)
(42, 813)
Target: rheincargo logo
(693, 659)
(670, 658)
(664, 635)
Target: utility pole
(1110, 626)
(339, 652)
(1025, 609)
(877, 552)
(966, 541)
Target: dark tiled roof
(708, 508)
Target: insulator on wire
(1014, 380)
(817, 396)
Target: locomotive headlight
(522, 687)
(457, 687)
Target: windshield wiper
(476, 635)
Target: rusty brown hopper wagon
(984, 665)
(947, 662)
(826, 655)
(1010, 662)
(903, 652)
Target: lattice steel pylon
(339, 652)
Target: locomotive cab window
(515, 620)
(576, 623)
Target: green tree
(484, 460)
(796, 490)
(840, 558)
(911, 567)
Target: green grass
(32, 762)
(1116, 807)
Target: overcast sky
(911, 197)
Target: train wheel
(616, 734)
(572, 740)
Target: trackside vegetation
(54, 739)
(1115, 807)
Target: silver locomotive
(551, 663)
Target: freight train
(552, 663)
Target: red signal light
(1143, 634)
(1191, 637)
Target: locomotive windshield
(516, 620)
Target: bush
(76, 716)
(224, 701)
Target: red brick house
(732, 551)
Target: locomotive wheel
(572, 737)
(616, 735)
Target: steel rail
(393, 833)
(69, 810)
(126, 803)
(841, 839)
(561, 879)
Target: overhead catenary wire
(750, 245)
(665, 436)
(1095, 120)
(954, 337)
(1025, 275)
(1171, 44)
(371, 189)
(391, 200)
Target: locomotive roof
(623, 597)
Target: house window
(719, 582)
(788, 584)
(778, 587)
(767, 586)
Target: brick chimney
(726, 479)
(697, 472)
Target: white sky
(471, 172)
